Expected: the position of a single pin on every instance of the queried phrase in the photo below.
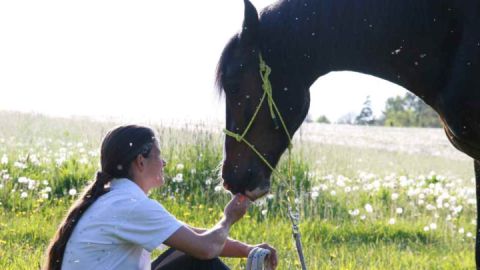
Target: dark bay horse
(430, 47)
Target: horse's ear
(249, 31)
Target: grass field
(370, 198)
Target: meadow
(369, 198)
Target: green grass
(331, 182)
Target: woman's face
(154, 167)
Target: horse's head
(238, 75)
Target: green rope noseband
(265, 71)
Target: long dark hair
(119, 148)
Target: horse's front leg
(477, 239)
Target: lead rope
(256, 259)
(293, 213)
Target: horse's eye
(231, 86)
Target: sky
(139, 60)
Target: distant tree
(409, 111)
(348, 119)
(366, 114)
(322, 119)
(308, 119)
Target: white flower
(72, 192)
(433, 226)
(314, 195)
(59, 161)
(430, 207)
(208, 181)
(341, 181)
(178, 178)
(47, 189)
(395, 196)
(412, 192)
(264, 212)
(368, 208)
(180, 166)
(270, 196)
(218, 188)
(333, 193)
(44, 195)
(45, 182)
(426, 228)
(354, 212)
(457, 209)
(348, 189)
(399, 210)
(1, 186)
(362, 217)
(461, 230)
(24, 195)
(4, 159)
(22, 180)
(391, 221)
(31, 184)
(469, 234)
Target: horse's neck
(381, 41)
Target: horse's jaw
(257, 193)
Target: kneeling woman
(114, 225)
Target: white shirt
(119, 230)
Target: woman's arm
(209, 244)
(232, 248)
(235, 248)
(206, 245)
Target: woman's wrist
(247, 249)
(227, 220)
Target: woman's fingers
(237, 207)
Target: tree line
(406, 111)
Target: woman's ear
(138, 163)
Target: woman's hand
(272, 259)
(236, 208)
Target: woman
(114, 225)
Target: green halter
(265, 71)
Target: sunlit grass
(349, 196)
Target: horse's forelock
(224, 58)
